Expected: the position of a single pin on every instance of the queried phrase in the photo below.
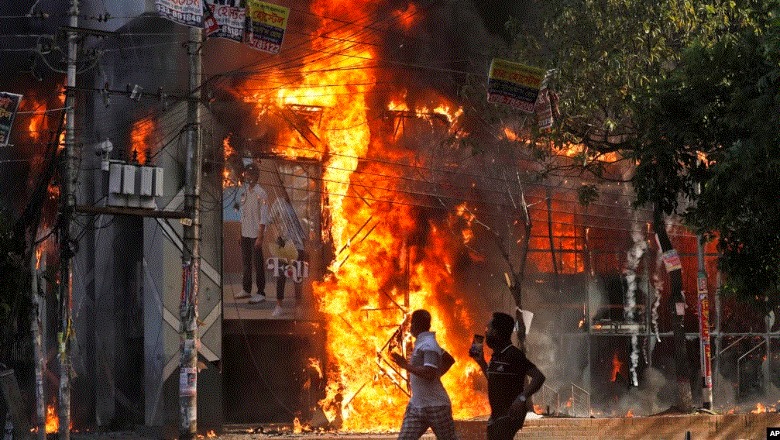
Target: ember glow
(228, 152)
(38, 253)
(140, 142)
(760, 408)
(616, 367)
(38, 120)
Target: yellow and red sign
(514, 84)
(266, 25)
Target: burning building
(405, 198)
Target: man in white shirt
(255, 217)
(429, 406)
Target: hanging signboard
(186, 12)
(544, 112)
(229, 17)
(514, 84)
(9, 103)
(266, 24)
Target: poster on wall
(9, 104)
(271, 211)
(186, 12)
(229, 19)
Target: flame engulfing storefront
(388, 188)
(411, 212)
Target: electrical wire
(420, 168)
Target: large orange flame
(384, 266)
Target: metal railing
(580, 402)
(549, 400)
(734, 343)
(739, 364)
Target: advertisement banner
(186, 12)
(514, 84)
(704, 331)
(279, 193)
(188, 381)
(9, 104)
(229, 17)
(266, 24)
(671, 260)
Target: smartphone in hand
(476, 346)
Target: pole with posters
(67, 205)
(705, 352)
(188, 307)
(703, 303)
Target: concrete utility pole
(705, 351)
(188, 308)
(37, 332)
(703, 304)
(67, 205)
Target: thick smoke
(633, 258)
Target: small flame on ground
(538, 409)
(760, 408)
(630, 413)
(297, 428)
(407, 17)
(52, 420)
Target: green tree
(610, 56)
(716, 122)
